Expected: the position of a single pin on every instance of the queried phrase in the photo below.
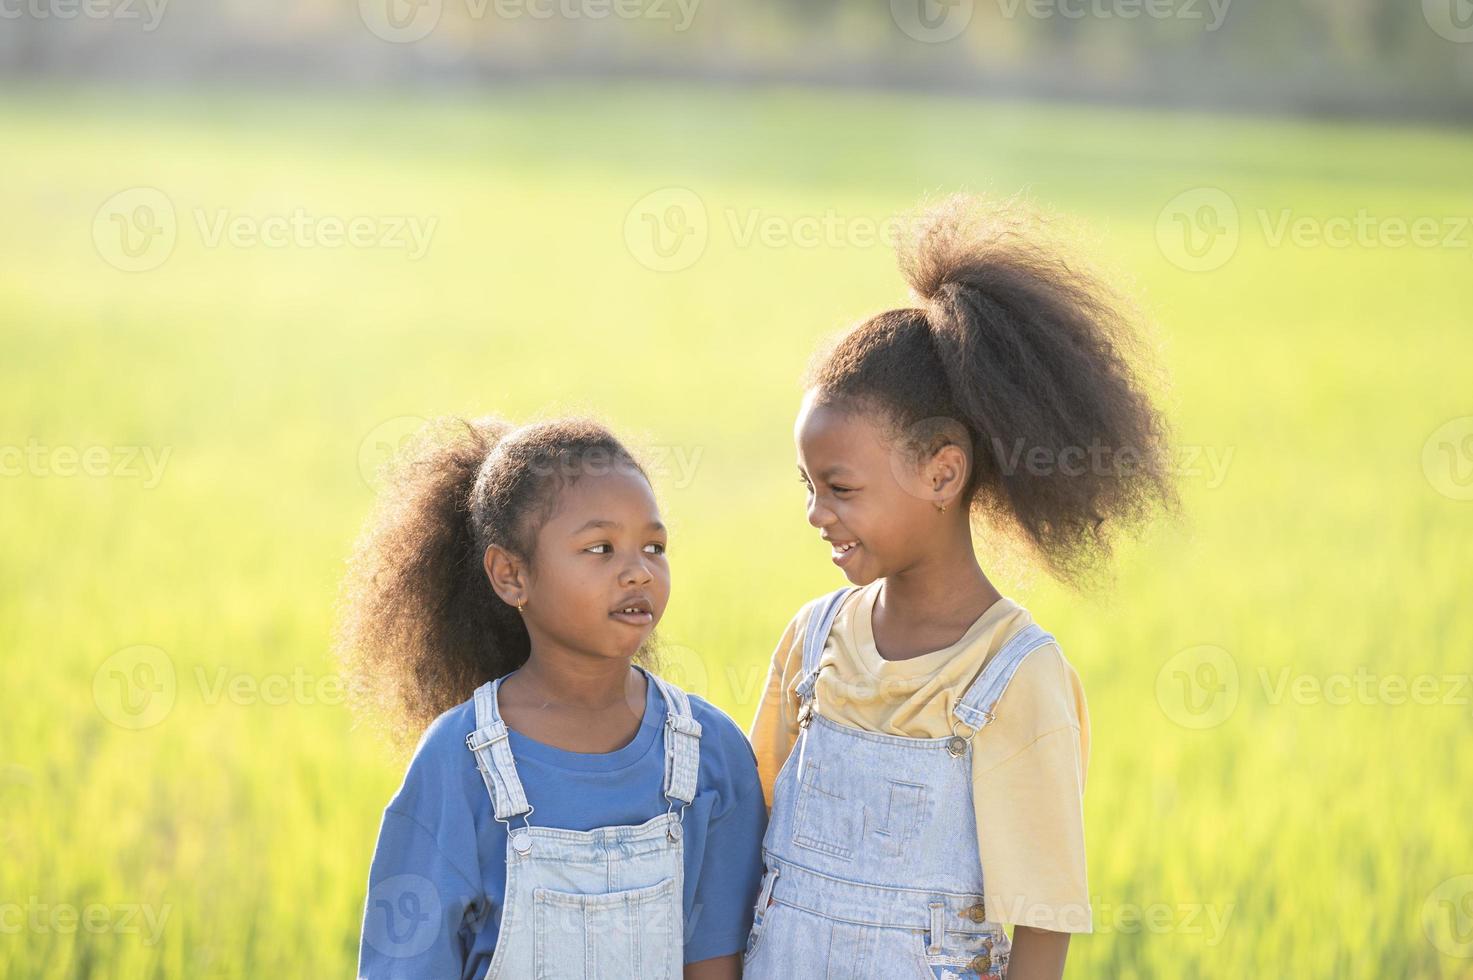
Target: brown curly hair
(1036, 359)
(419, 626)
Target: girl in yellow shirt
(922, 743)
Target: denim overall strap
(682, 743)
(492, 747)
(976, 707)
(819, 623)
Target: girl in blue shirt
(566, 812)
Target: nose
(818, 515)
(636, 572)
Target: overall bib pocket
(604, 937)
(825, 818)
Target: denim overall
(872, 867)
(604, 904)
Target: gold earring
(940, 508)
(520, 605)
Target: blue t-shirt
(438, 879)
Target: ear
(945, 473)
(507, 574)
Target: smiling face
(598, 579)
(871, 500)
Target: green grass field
(182, 791)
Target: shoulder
(792, 639)
(727, 760)
(441, 762)
(720, 733)
(1045, 694)
(448, 732)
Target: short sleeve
(731, 864)
(417, 903)
(775, 726)
(1028, 773)
(425, 899)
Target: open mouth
(842, 552)
(636, 611)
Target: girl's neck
(578, 682)
(931, 603)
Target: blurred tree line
(1378, 57)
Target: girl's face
(873, 504)
(599, 580)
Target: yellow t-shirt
(1028, 764)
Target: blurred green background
(223, 304)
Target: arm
(1038, 954)
(1030, 770)
(775, 725)
(716, 968)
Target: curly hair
(1015, 343)
(419, 626)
